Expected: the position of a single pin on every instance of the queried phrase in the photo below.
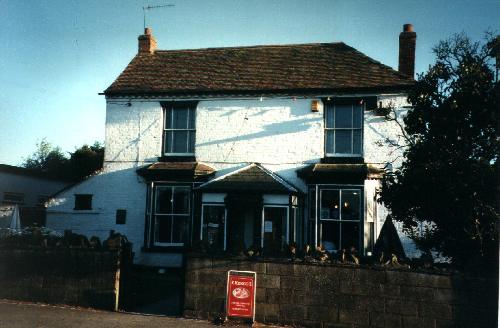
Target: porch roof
(344, 171)
(192, 171)
(253, 177)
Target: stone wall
(81, 277)
(314, 295)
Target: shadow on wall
(134, 143)
(292, 117)
(268, 130)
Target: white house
(242, 146)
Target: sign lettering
(240, 294)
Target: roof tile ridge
(264, 46)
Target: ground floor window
(213, 225)
(170, 215)
(274, 228)
(336, 217)
(242, 222)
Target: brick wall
(81, 277)
(312, 295)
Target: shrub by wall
(327, 295)
(83, 277)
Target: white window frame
(334, 129)
(225, 220)
(287, 207)
(171, 107)
(154, 214)
(360, 222)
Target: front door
(243, 222)
(275, 229)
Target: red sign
(240, 294)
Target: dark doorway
(275, 229)
(243, 222)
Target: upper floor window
(344, 128)
(179, 128)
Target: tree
(81, 163)
(86, 160)
(448, 178)
(46, 158)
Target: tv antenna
(146, 8)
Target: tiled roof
(250, 178)
(274, 69)
(28, 172)
(176, 170)
(348, 172)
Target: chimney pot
(407, 44)
(147, 42)
(407, 28)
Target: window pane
(329, 141)
(343, 139)
(343, 116)
(163, 229)
(275, 228)
(312, 202)
(82, 202)
(164, 200)
(180, 118)
(180, 142)
(329, 116)
(351, 204)
(168, 118)
(357, 116)
(330, 205)
(179, 229)
(213, 226)
(330, 235)
(191, 135)
(311, 232)
(181, 200)
(168, 141)
(357, 142)
(350, 235)
(192, 118)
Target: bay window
(171, 214)
(340, 218)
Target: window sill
(163, 249)
(177, 158)
(336, 159)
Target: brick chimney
(407, 42)
(147, 42)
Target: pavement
(35, 315)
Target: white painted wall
(281, 134)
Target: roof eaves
(403, 87)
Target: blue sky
(58, 55)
